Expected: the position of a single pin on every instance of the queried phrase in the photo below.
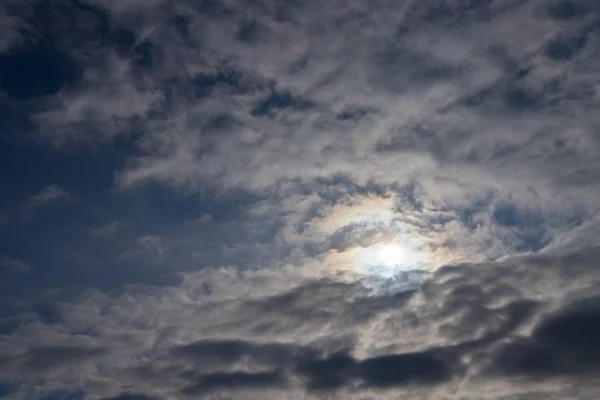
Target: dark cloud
(320, 371)
(235, 380)
(395, 370)
(131, 396)
(229, 352)
(560, 345)
(328, 373)
(474, 324)
(476, 318)
(62, 395)
(338, 370)
(404, 369)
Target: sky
(299, 200)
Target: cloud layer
(491, 330)
(196, 192)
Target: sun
(388, 256)
(391, 255)
(391, 266)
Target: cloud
(562, 345)
(321, 372)
(130, 396)
(48, 357)
(468, 328)
(233, 380)
(404, 103)
(257, 151)
(421, 96)
(8, 29)
(14, 264)
(107, 230)
(96, 115)
(40, 360)
(48, 194)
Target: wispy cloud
(48, 194)
(107, 230)
(14, 264)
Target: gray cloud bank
(504, 330)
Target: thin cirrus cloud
(48, 194)
(236, 166)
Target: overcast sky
(297, 200)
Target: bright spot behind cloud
(388, 258)
(391, 267)
(390, 255)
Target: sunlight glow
(387, 259)
(391, 266)
(391, 255)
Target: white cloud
(48, 194)
(14, 264)
(107, 230)
(105, 105)
(432, 101)
(416, 83)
